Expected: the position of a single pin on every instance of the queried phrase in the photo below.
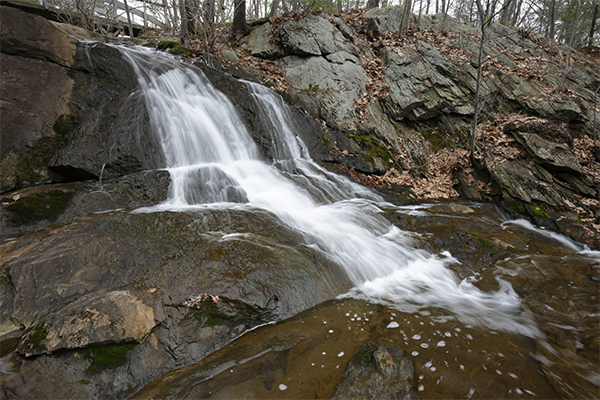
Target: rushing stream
(519, 327)
(213, 159)
(482, 306)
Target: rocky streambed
(152, 326)
(102, 295)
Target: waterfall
(214, 162)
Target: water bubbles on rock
(393, 324)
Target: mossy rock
(174, 48)
(482, 242)
(35, 338)
(107, 357)
(372, 149)
(39, 207)
(537, 211)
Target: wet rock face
(111, 134)
(112, 317)
(381, 373)
(180, 284)
(67, 107)
(35, 89)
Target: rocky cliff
(397, 111)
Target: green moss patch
(39, 207)
(107, 357)
(373, 150)
(518, 207)
(537, 211)
(174, 48)
(482, 242)
(35, 338)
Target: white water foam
(214, 162)
(559, 238)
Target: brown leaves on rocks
(430, 181)
(437, 181)
(194, 301)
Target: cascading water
(214, 162)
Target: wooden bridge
(102, 14)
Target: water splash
(214, 162)
(101, 172)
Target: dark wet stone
(381, 373)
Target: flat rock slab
(98, 318)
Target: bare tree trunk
(551, 19)
(405, 17)
(428, 5)
(471, 11)
(596, 152)
(145, 16)
(184, 35)
(167, 14)
(175, 13)
(372, 4)
(128, 18)
(208, 18)
(516, 13)
(506, 13)
(568, 57)
(483, 19)
(593, 27)
(239, 28)
(274, 6)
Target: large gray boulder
(35, 88)
(111, 134)
(260, 43)
(422, 85)
(518, 179)
(309, 36)
(552, 155)
(329, 86)
(384, 20)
